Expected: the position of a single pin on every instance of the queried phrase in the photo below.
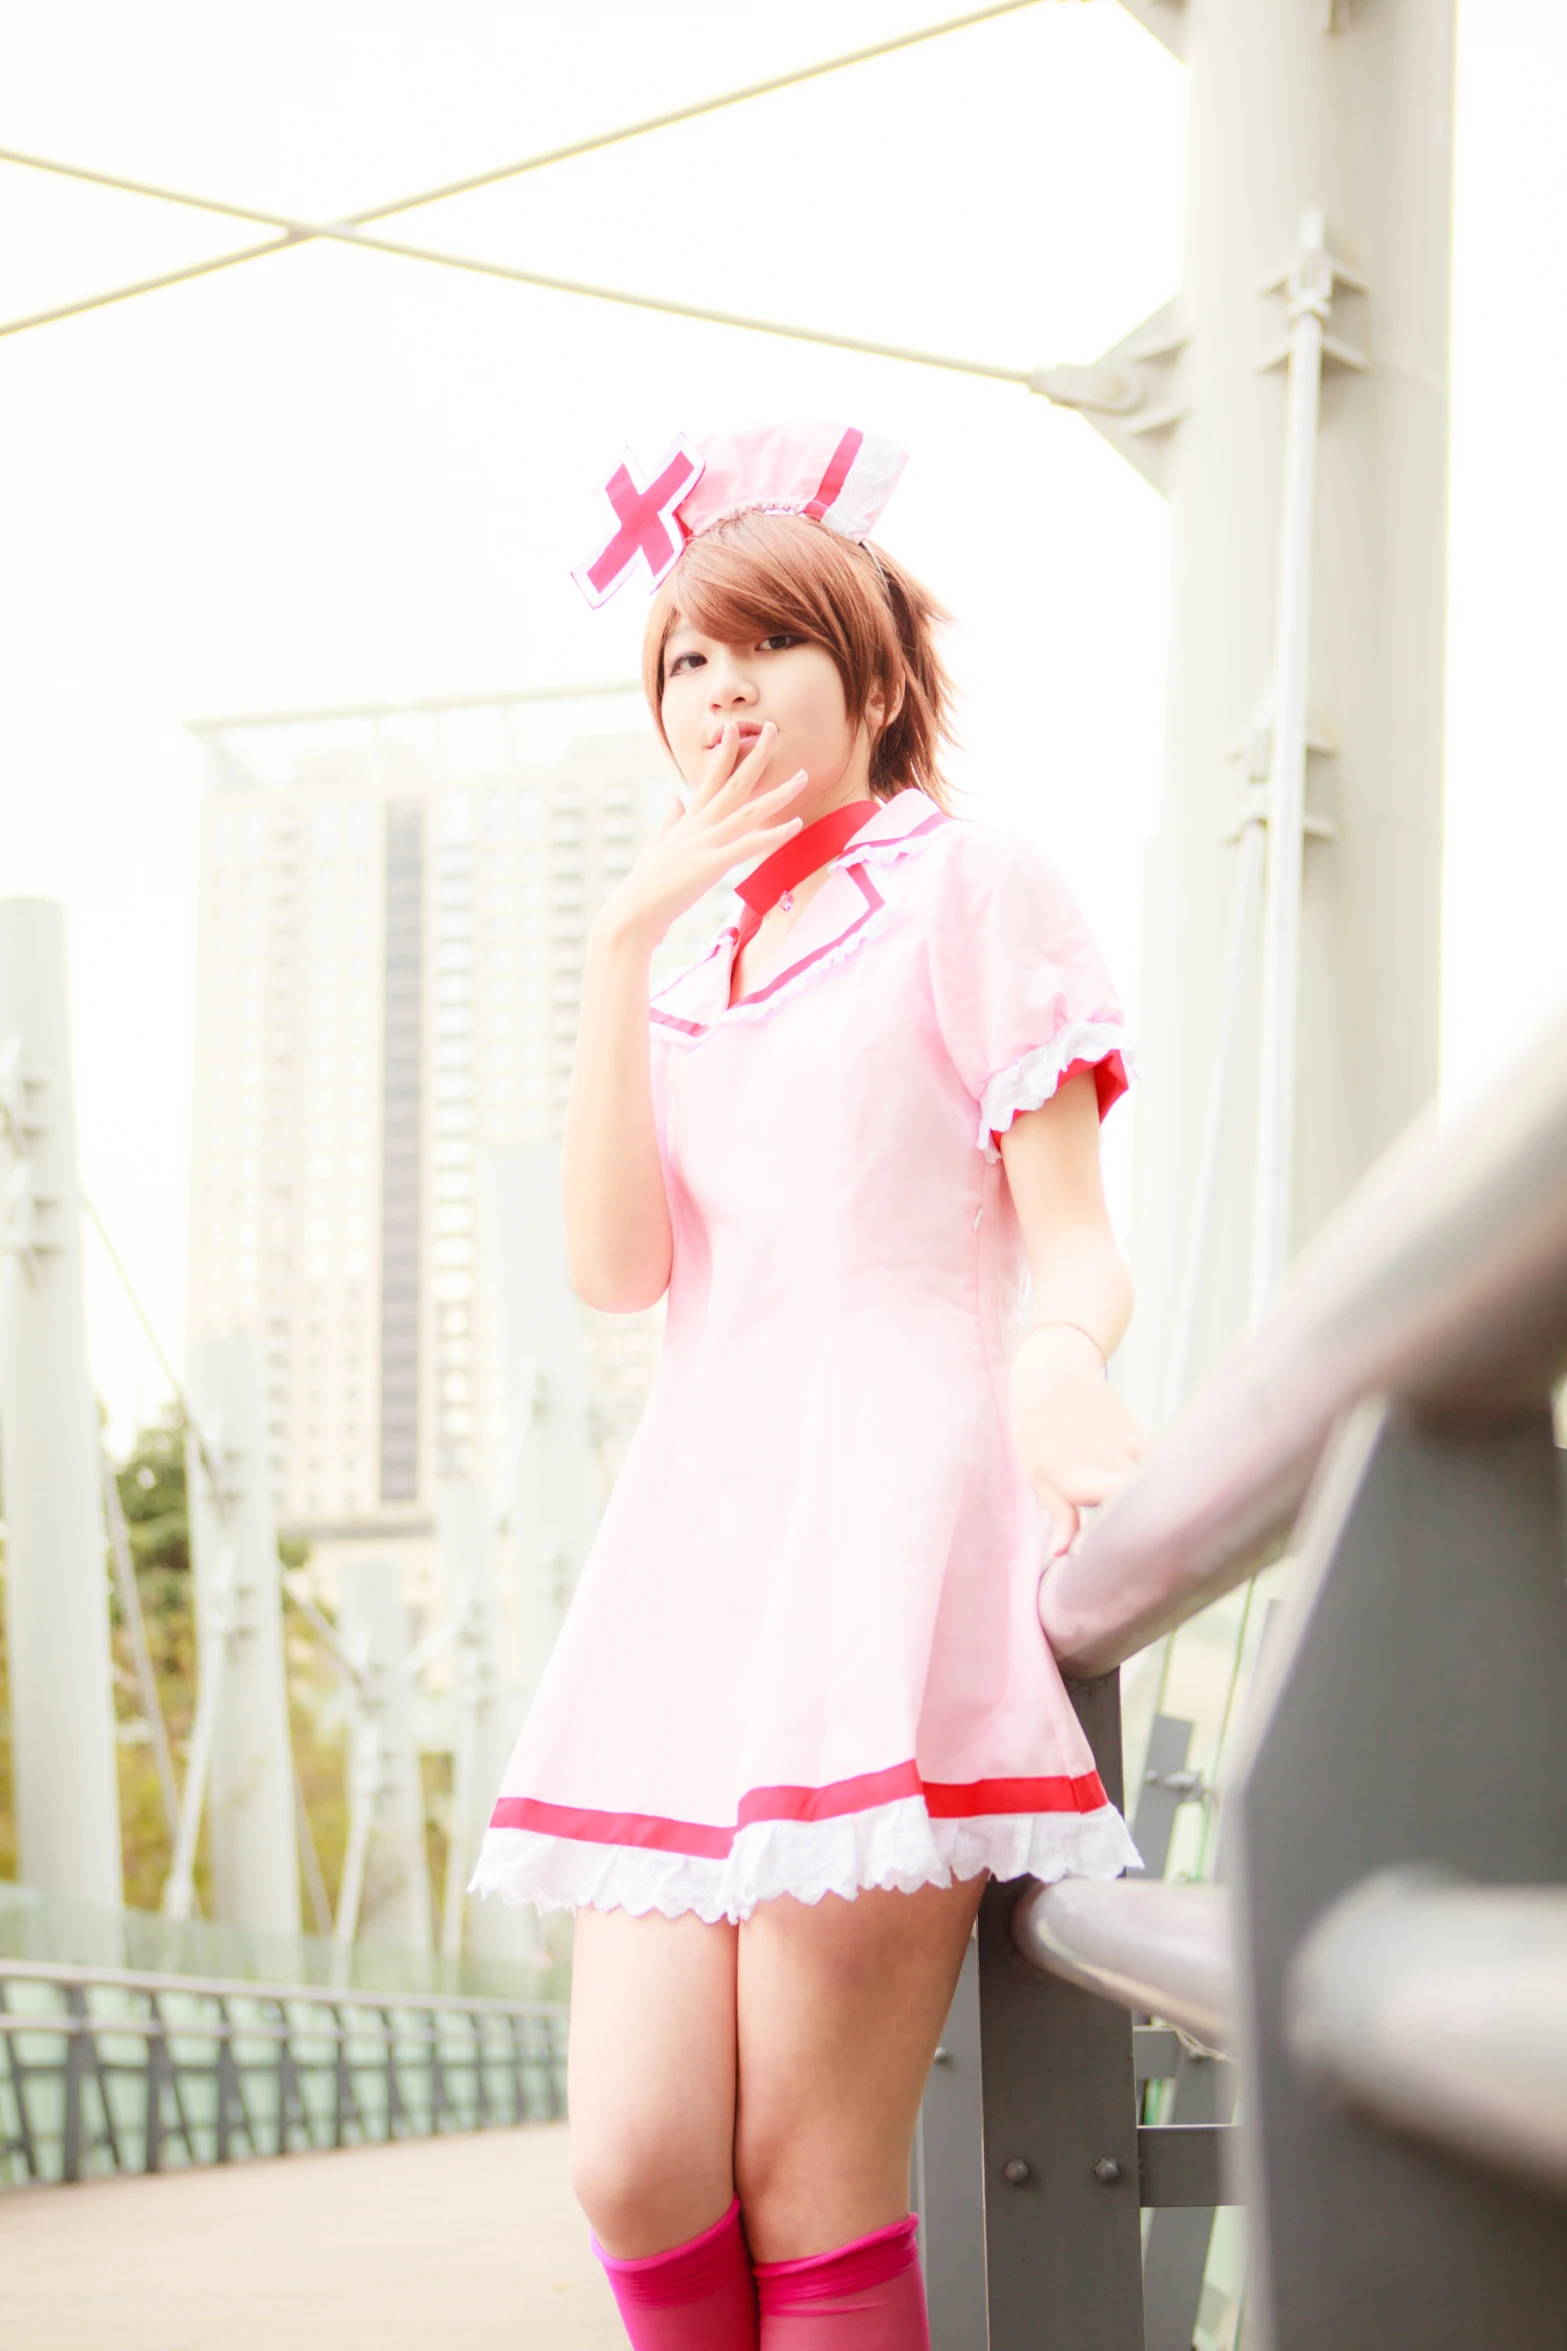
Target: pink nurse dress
(804, 1655)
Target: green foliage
(151, 1486)
(150, 1481)
(153, 1497)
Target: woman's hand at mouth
(728, 822)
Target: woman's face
(710, 683)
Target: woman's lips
(749, 730)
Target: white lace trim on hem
(1029, 1083)
(894, 1845)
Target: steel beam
(56, 1587)
(394, 1900)
(1063, 2238)
(1295, 109)
(1412, 1711)
(950, 2172)
(242, 1733)
(1176, 2246)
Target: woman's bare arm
(1075, 1437)
(618, 1239)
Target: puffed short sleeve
(1023, 999)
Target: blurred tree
(151, 1483)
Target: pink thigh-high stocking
(868, 2296)
(699, 2296)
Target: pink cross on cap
(645, 523)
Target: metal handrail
(1443, 1283)
(320, 2067)
(1156, 1949)
(126, 1979)
(1440, 2009)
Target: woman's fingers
(761, 844)
(1093, 1482)
(1065, 1518)
(741, 821)
(720, 767)
(741, 780)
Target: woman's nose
(730, 689)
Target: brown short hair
(759, 572)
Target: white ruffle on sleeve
(1029, 1083)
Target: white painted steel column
(1310, 289)
(1347, 112)
(391, 1903)
(242, 1696)
(486, 1713)
(554, 1485)
(57, 1592)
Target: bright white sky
(331, 476)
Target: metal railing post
(344, 2105)
(1062, 2229)
(152, 2131)
(950, 2170)
(75, 2067)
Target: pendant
(787, 901)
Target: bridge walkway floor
(469, 2241)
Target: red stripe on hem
(830, 1803)
(944, 1800)
(948, 1801)
(612, 1828)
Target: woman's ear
(881, 708)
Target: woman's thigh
(841, 2005)
(651, 2077)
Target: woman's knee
(818, 2186)
(646, 2184)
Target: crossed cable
(357, 227)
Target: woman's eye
(679, 663)
(779, 642)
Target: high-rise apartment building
(394, 908)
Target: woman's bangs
(734, 592)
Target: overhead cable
(298, 232)
(351, 229)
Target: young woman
(802, 1705)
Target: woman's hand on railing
(1075, 1438)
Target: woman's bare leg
(651, 2078)
(841, 2005)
